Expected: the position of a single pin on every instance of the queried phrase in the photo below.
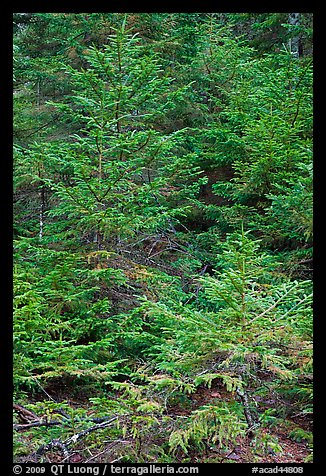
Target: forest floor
(243, 451)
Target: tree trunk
(294, 42)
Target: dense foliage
(162, 237)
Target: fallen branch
(77, 436)
(53, 444)
(63, 446)
(27, 415)
(39, 422)
(26, 426)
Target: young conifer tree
(115, 177)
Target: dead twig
(107, 449)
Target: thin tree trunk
(41, 217)
(38, 93)
(294, 42)
(42, 207)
